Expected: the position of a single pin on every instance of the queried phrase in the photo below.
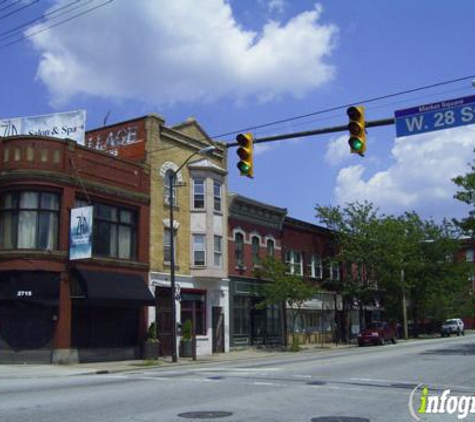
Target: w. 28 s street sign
(437, 116)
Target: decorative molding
(169, 165)
(166, 223)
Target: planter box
(151, 350)
(186, 349)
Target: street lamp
(171, 181)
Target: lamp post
(171, 181)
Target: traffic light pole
(374, 123)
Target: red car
(377, 333)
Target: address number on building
(24, 293)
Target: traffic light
(245, 153)
(356, 127)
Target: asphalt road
(371, 383)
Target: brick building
(53, 309)
(199, 228)
(254, 232)
(309, 251)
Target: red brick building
(53, 309)
(309, 251)
(254, 232)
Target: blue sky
(236, 64)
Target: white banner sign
(69, 125)
(80, 233)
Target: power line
(52, 12)
(19, 9)
(365, 101)
(375, 107)
(56, 24)
(10, 5)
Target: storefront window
(199, 302)
(29, 220)
(241, 315)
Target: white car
(453, 326)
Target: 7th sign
(437, 116)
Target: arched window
(270, 248)
(255, 250)
(239, 249)
(166, 188)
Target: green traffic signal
(245, 154)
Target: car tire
(463, 332)
(394, 340)
(381, 341)
(458, 333)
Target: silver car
(453, 326)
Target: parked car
(453, 326)
(377, 333)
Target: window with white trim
(335, 270)
(255, 244)
(239, 249)
(316, 266)
(167, 252)
(199, 194)
(469, 255)
(294, 262)
(217, 195)
(218, 251)
(199, 249)
(270, 248)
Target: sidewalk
(47, 371)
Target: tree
(467, 195)
(402, 259)
(284, 289)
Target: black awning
(114, 289)
(30, 287)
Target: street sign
(437, 116)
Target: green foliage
(387, 255)
(187, 330)
(282, 287)
(467, 195)
(152, 333)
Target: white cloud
(260, 149)
(276, 6)
(338, 150)
(420, 177)
(172, 51)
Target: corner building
(53, 309)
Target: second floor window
(218, 252)
(270, 248)
(199, 249)
(335, 270)
(217, 195)
(294, 262)
(239, 249)
(198, 194)
(316, 267)
(255, 250)
(114, 231)
(29, 220)
(469, 255)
